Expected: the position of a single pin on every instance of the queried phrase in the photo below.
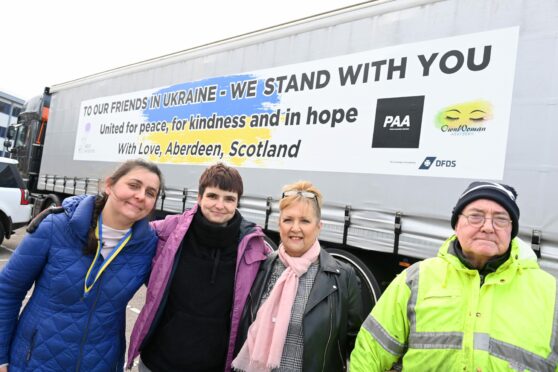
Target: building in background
(10, 107)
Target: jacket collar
(328, 263)
(489, 267)
(246, 227)
(325, 283)
(79, 210)
(446, 252)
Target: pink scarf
(263, 348)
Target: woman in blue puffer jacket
(86, 264)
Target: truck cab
(26, 138)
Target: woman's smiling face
(299, 227)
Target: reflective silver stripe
(481, 341)
(412, 280)
(518, 358)
(426, 340)
(436, 340)
(383, 337)
(553, 357)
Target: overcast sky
(51, 42)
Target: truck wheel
(270, 243)
(370, 290)
(50, 201)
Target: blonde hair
(302, 186)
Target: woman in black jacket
(304, 309)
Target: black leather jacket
(332, 317)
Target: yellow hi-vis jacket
(436, 316)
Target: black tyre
(270, 243)
(51, 201)
(370, 289)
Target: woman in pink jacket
(206, 261)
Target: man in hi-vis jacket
(477, 306)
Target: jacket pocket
(31, 347)
(443, 295)
(441, 299)
(440, 306)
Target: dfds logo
(431, 160)
(398, 122)
(427, 163)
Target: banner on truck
(434, 108)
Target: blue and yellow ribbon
(89, 281)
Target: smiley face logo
(471, 114)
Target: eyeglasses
(477, 220)
(305, 194)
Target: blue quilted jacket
(60, 329)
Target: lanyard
(89, 280)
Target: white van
(15, 208)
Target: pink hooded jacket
(252, 250)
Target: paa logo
(398, 122)
(465, 118)
(431, 160)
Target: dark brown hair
(221, 176)
(101, 200)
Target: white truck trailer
(390, 107)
